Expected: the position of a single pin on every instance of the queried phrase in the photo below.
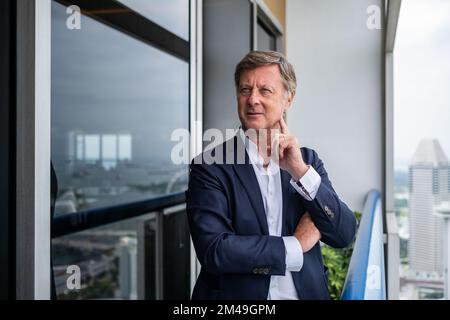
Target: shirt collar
(255, 157)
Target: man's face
(262, 98)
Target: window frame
(7, 150)
(392, 247)
(133, 24)
(262, 15)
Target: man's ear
(289, 99)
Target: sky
(421, 77)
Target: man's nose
(254, 98)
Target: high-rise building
(128, 268)
(428, 186)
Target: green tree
(337, 261)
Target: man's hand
(290, 157)
(307, 233)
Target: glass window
(120, 261)
(422, 144)
(266, 40)
(115, 103)
(172, 15)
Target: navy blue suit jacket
(230, 234)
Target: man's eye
(245, 90)
(266, 91)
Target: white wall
(338, 109)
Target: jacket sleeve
(219, 249)
(335, 221)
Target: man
(256, 226)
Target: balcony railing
(92, 218)
(366, 274)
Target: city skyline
(428, 187)
(418, 192)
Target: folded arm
(332, 217)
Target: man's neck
(263, 142)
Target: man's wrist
(299, 172)
(297, 237)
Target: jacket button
(329, 212)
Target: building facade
(428, 187)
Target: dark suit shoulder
(309, 155)
(229, 152)
(213, 161)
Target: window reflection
(110, 150)
(107, 258)
(172, 15)
(115, 102)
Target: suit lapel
(247, 177)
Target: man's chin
(255, 125)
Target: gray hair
(255, 59)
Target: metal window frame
(393, 242)
(262, 14)
(7, 149)
(33, 149)
(178, 209)
(92, 218)
(156, 217)
(132, 24)
(260, 23)
(196, 101)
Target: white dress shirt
(269, 180)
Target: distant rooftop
(429, 153)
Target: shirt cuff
(310, 181)
(294, 254)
